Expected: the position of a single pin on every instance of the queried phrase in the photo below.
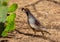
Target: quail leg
(34, 31)
(42, 33)
(47, 32)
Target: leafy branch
(7, 23)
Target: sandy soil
(46, 11)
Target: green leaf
(2, 27)
(10, 25)
(11, 17)
(12, 8)
(3, 13)
(11, 20)
(4, 3)
(4, 0)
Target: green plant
(7, 23)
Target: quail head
(34, 23)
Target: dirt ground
(46, 11)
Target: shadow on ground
(38, 36)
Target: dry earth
(46, 11)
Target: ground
(46, 11)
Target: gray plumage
(34, 23)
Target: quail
(34, 23)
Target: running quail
(34, 23)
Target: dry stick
(54, 1)
(42, 0)
(34, 7)
(38, 36)
(34, 3)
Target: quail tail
(44, 30)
